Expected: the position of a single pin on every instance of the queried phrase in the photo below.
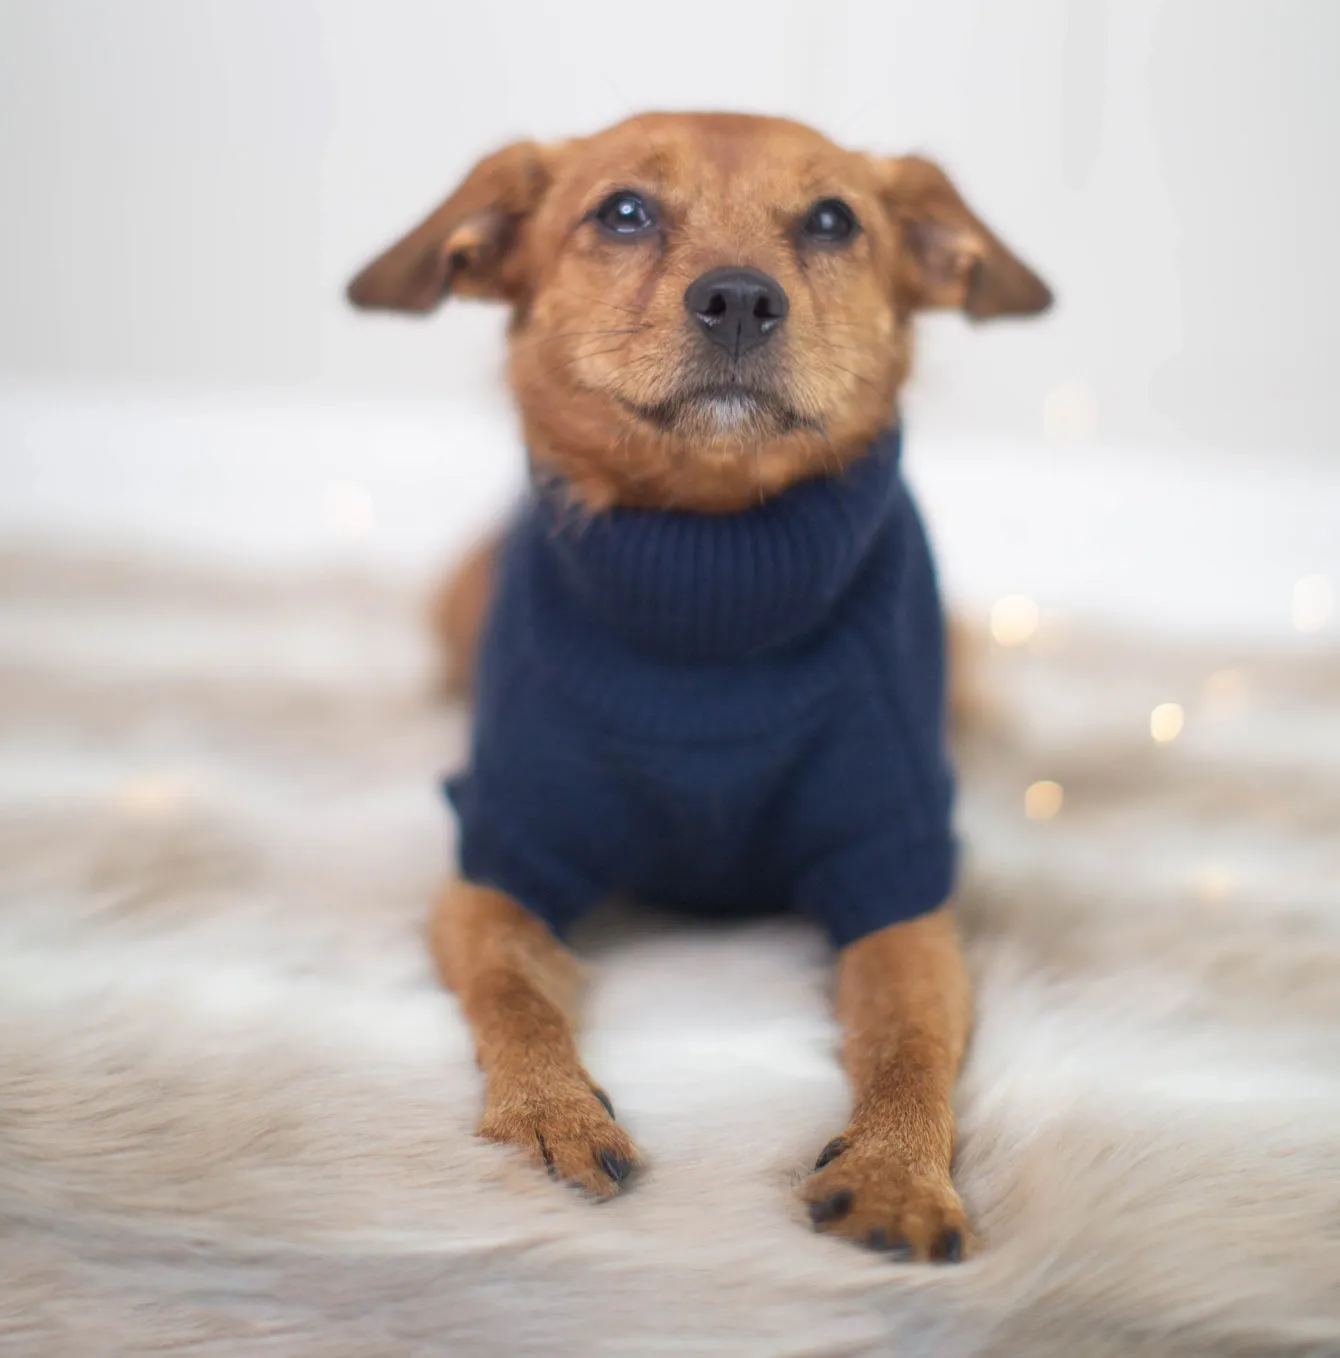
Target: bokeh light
(1014, 619)
(1166, 721)
(1043, 800)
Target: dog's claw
(603, 1099)
(831, 1208)
(548, 1159)
(879, 1240)
(618, 1167)
(565, 1128)
(863, 1191)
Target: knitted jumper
(721, 713)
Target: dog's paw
(568, 1128)
(864, 1189)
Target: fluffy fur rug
(236, 1110)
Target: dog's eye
(625, 214)
(831, 222)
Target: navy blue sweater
(721, 713)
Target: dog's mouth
(723, 409)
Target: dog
(710, 660)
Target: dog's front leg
(905, 1005)
(519, 987)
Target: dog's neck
(701, 587)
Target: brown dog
(622, 256)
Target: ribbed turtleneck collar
(708, 587)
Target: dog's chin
(728, 416)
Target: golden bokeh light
(1014, 619)
(1043, 800)
(1166, 721)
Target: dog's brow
(816, 180)
(652, 165)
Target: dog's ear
(467, 246)
(949, 257)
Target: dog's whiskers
(574, 334)
(578, 358)
(860, 377)
(845, 348)
(599, 301)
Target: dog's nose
(738, 308)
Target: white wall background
(186, 184)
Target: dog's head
(705, 307)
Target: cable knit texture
(723, 713)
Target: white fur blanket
(236, 1110)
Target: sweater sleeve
(876, 798)
(877, 819)
(531, 814)
(876, 880)
(498, 846)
